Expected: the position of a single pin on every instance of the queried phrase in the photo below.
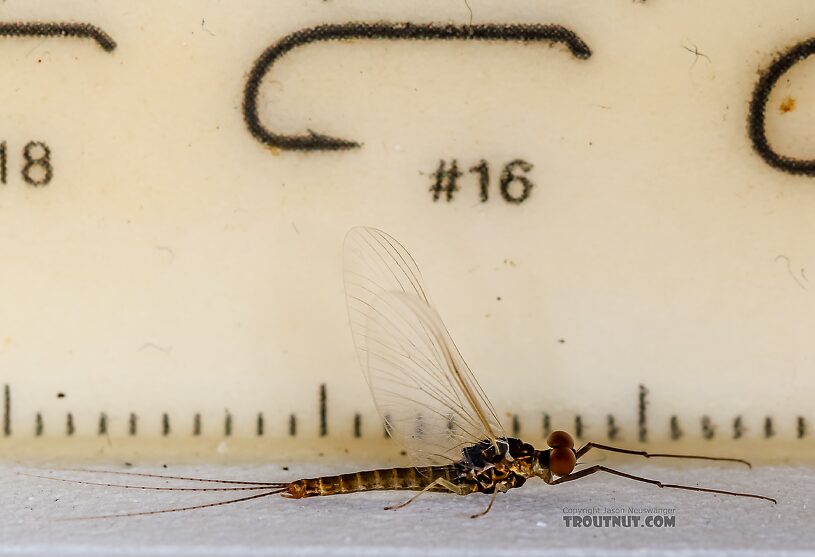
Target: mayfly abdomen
(412, 478)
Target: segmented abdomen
(414, 478)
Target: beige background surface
(176, 265)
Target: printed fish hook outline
(57, 30)
(756, 124)
(314, 141)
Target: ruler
(611, 204)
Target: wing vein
(422, 387)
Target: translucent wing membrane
(420, 382)
(422, 387)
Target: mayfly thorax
(416, 373)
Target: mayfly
(429, 400)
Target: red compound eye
(562, 461)
(559, 439)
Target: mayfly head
(560, 460)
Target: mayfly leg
(594, 469)
(450, 486)
(447, 484)
(489, 506)
(588, 446)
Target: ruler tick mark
(3, 163)
(613, 429)
(769, 430)
(228, 424)
(292, 425)
(103, 424)
(676, 431)
(357, 426)
(738, 428)
(708, 429)
(323, 411)
(642, 415)
(6, 410)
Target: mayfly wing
(421, 384)
(423, 389)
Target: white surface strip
(526, 521)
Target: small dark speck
(320, 454)
(498, 298)
(164, 466)
(286, 468)
(345, 451)
(128, 464)
(60, 395)
(403, 453)
(562, 340)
